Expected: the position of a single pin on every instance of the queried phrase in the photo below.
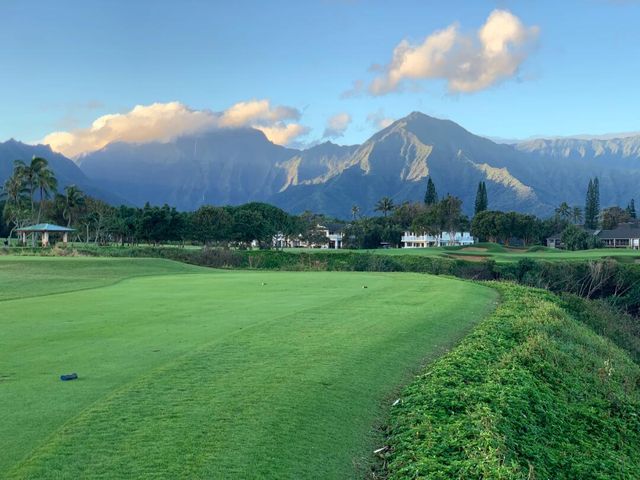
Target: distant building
(555, 240)
(332, 235)
(413, 240)
(625, 235)
(44, 230)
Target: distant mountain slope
(218, 167)
(66, 171)
(572, 161)
(609, 150)
(232, 166)
(396, 161)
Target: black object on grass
(70, 376)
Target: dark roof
(45, 227)
(334, 227)
(621, 231)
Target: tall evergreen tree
(592, 204)
(482, 201)
(431, 196)
(631, 209)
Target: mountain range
(232, 166)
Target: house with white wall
(422, 240)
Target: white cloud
(337, 125)
(379, 120)
(284, 134)
(256, 112)
(468, 63)
(165, 121)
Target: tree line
(30, 196)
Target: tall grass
(531, 393)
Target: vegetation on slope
(530, 393)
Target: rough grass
(530, 394)
(213, 375)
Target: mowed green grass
(193, 373)
(30, 276)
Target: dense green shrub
(530, 393)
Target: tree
(73, 199)
(482, 201)
(95, 218)
(211, 224)
(450, 215)
(384, 205)
(576, 215)
(631, 209)
(355, 210)
(563, 211)
(36, 176)
(46, 183)
(15, 210)
(249, 225)
(575, 238)
(431, 195)
(613, 216)
(427, 221)
(592, 205)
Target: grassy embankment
(530, 393)
(185, 374)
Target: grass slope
(530, 393)
(25, 276)
(215, 375)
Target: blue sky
(64, 64)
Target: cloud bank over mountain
(467, 62)
(165, 121)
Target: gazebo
(45, 229)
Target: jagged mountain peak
(237, 165)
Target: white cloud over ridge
(468, 63)
(166, 121)
(337, 125)
(378, 119)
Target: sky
(79, 74)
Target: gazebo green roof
(45, 227)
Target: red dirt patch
(470, 258)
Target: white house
(332, 234)
(413, 240)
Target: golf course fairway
(186, 372)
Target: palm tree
(73, 198)
(576, 215)
(564, 211)
(355, 210)
(384, 205)
(36, 176)
(14, 190)
(46, 183)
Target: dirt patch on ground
(473, 249)
(470, 258)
